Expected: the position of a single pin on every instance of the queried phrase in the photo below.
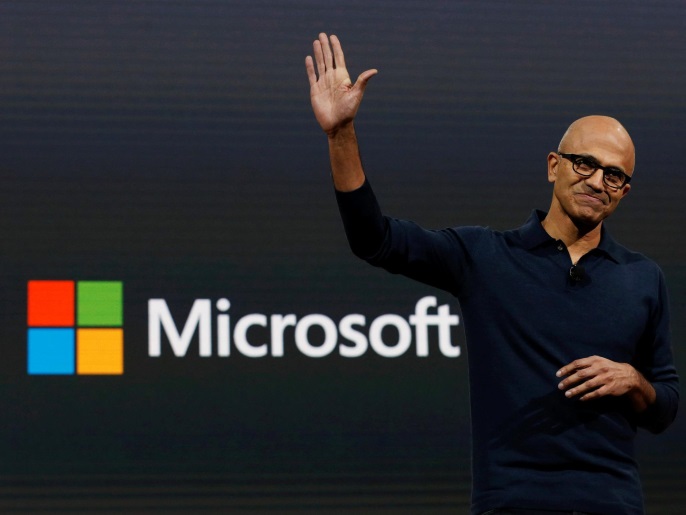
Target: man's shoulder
(477, 234)
(485, 240)
(531, 233)
(625, 255)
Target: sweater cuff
(659, 415)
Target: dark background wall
(170, 145)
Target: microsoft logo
(75, 327)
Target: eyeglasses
(586, 166)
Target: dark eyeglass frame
(576, 158)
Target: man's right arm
(335, 101)
(397, 246)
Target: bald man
(568, 331)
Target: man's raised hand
(335, 99)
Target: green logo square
(99, 303)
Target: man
(568, 331)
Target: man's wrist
(642, 394)
(342, 133)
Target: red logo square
(51, 303)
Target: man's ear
(553, 163)
(625, 190)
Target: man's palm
(335, 99)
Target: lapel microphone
(577, 273)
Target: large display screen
(167, 217)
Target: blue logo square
(51, 351)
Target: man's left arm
(650, 383)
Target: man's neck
(578, 240)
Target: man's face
(587, 201)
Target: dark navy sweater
(525, 318)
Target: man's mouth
(592, 199)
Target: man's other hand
(595, 376)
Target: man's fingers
(573, 380)
(594, 394)
(583, 387)
(575, 376)
(311, 75)
(575, 365)
(319, 57)
(338, 57)
(581, 377)
(568, 369)
(326, 49)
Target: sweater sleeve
(434, 257)
(363, 222)
(657, 365)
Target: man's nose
(595, 181)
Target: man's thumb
(364, 77)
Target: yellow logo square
(100, 351)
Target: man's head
(588, 200)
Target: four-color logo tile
(75, 327)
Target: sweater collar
(534, 235)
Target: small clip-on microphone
(577, 273)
